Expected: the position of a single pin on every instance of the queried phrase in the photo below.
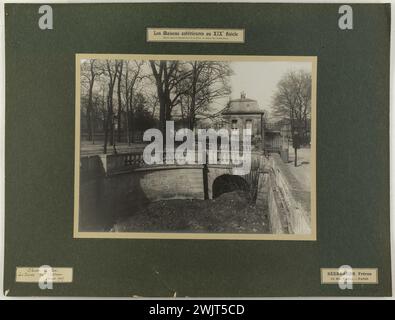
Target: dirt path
(303, 171)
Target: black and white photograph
(200, 151)
(195, 147)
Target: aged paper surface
(359, 275)
(182, 234)
(195, 35)
(33, 275)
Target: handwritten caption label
(33, 275)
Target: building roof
(242, 106)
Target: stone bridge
(128, 173)
(118, 184)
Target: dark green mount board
(352, 152)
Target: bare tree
(112, 69)
(133, 75)
(120, 109)
(167, 76)
(191, 86)
(89, 72)
(292, 101)
(206, 82)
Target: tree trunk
(110, 107)
(127, 122)
(109, 123)
(192, 115)
(119, 104)
(162, 114)
(130, 117)
(133, 126)
(192, 120)
(90, 102)
(106, 126)
(110, 120)
(89, 113)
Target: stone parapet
(290, 200)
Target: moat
(231, 212)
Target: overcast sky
(258, 79)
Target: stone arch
(228, 183)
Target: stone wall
(275, 213)
(268, 200)
(289, 204)
(108, 197)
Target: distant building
(287, 130)
(244, 113)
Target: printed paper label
(359, 276)
(195, 35)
